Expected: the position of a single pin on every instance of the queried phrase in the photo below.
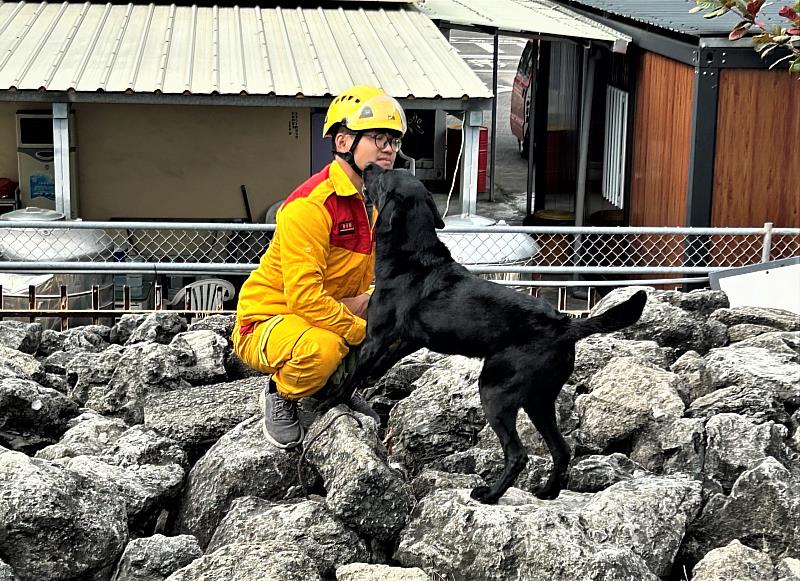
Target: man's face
(378, 146)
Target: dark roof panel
(672, 15)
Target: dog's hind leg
(543, 415)
(500, 404)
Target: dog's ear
(437, 217)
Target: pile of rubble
(136, 453)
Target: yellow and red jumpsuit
(289, 321)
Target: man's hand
(357, 305)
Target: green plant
(770, 38)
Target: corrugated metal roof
(228, 50)
(672, 15)
(528, 16)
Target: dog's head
(397, 193)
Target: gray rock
(58, 361)
(429, 481)
(745, 331)
(596, 472)
(196, 417)
(89, 434)
(138, 371)
(21, 336)
(736, 443)
(144, 445)
(626, 396)
(775, 318)
(6, 572)
(142, 488)
(31, 415)
(272, 561)
(208, 351)
(788, 570)
(241, 463)
(673, 319)
(56, 382)
(762, 511)
(696, 381)
(701, 301)
(777, 341)
(647, 515)
(222, 325)
(18, 364)
(88, 372)
(755, 367)
(124, 328)
(443, 414)
(367, 572)
(143, 468)
(734, 561)
(519, 538)
(54, 523)
(307, 526)
(155, 558)
(673, 447)
(795, 422)
(362, 490)
(159, 327)
(91, 338)
(51, 342)
(760, 404)
(593, 354)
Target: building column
(702, 148)
(469, 161)
(65, 203)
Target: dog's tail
(616, 318)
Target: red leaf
(754, 6)
(788, 12)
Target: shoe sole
(262, 403)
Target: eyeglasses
(382, 141)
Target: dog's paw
(547, 493)
(483, 494)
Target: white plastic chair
(204, 295)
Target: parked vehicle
(521, 97)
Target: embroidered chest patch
(347, 227)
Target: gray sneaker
(281, 425)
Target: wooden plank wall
(662, 129)
(757, 166)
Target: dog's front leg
(374, 359)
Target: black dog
(423, 298)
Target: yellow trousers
(300, 356)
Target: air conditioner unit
(35, 155)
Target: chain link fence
(510, 252)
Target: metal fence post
(767, 249)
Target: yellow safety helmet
(363, 107)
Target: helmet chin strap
(349, 156)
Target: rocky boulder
(155, 558)
(21, 336)
(79, 525)
(308, 526)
